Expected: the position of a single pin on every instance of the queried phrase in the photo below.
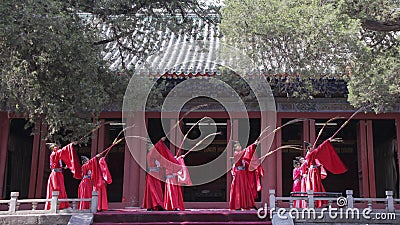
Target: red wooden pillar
(95, 141)
(228, 156)
(179, 136)
(397, 123)
(101, 137)
(311, 134)
(41, 163)
(371, 162)
(274, 165)
(173, 136)
(132, 170)
(306, 131)
(38, 158)
(4, 132)
(362, 160)
(35, 159)
(232, 134)
(142, 171)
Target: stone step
(188, 223)
(178, 217)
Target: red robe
(56, 179)
(173, 198)
(241, 194)
(101, 186)
(326, 155)
(91, 176)
(153, 195)
(255, 173)
(296, 184)
(303, 176)
(183, 174)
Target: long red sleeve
(249, 152)
(70, 158)
(105, 171)
(165, 157)
(183, 175)
(328, 157)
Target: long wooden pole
(191, 128)
(280, 127)
(184, 115)
(323, 127)
(201, 141)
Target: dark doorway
(291, 135)
(385, 157)
(19, 158)
(347, 151)
(214, 191)
(115, 159)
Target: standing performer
(173, 197)
(101, 187)
(85, 186)
(255, 173)
(303, 177)
(324, 155)
(56, 179)
(296, 181)
(241, 194)
(91, 177)
(153, 194)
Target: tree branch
(380, 26)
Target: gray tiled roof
(177, 53)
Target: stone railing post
(310, 195)
(272, 199)
(389, 201)
(13, 202)
(350, 198)
(54, 202)
(94, 202)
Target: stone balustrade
(14, 204)
(336, 200)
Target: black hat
(84, 159)
(307, 144)
(51, 145)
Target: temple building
(369, 149)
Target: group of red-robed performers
(245, 184)
(94, 175)
(160, 160)
(309, 171)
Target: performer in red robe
(91, 177)
(256, 172)
(85, 186)
(324, 155)
(296, 181)
(153, 194)
(241, 194)
(96, 176)
(173, 197)
(102, 183)
(303, 177)
(56, 179)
